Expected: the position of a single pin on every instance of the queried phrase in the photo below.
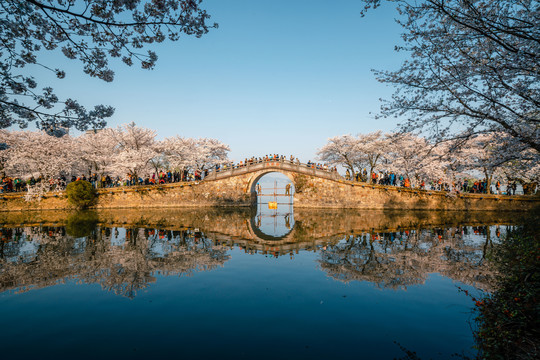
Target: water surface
(242, 283)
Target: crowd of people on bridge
(273, 158)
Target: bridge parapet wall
(269, 166)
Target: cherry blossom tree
(418, 159)
(95, 150)
(525, 169)
(407, 154)
(370, 148)
(497, 154)
(37, 154)
(210, 152)
(194, 154)
(179, 152)
(90, 31)
(134, 150)
(4, 150)
(474, 65)
(340, 150)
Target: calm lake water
(242, 284)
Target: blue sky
(277, 76)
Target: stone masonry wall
(323, 193)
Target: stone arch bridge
(250, 174)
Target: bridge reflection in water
(273, 223)
(274, 218)
(124, 251)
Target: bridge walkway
(273, 165)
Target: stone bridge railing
(276, 165)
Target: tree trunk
(488, 181)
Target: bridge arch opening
(274, 193)
(273, 186)
(273, 227)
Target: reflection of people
(287, 221)
(258, 188)
(288, 189)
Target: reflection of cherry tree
(361, 258)
(398, 260)
(123, 269)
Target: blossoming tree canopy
(417, 158)
(38, 155)
(128, 150)
(497, 154)
(194, 154)
(355, 152)
(179, 152)
(90, 31)
(211, 152)
(340, 150)
(35, 153)
(474, 65)
(371, 148)
(96, 149)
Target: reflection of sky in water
(161, 245)
(79, 245)
(476, 235)
(118, 237)
(160, 248)
(274, 222)
(27, 251)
